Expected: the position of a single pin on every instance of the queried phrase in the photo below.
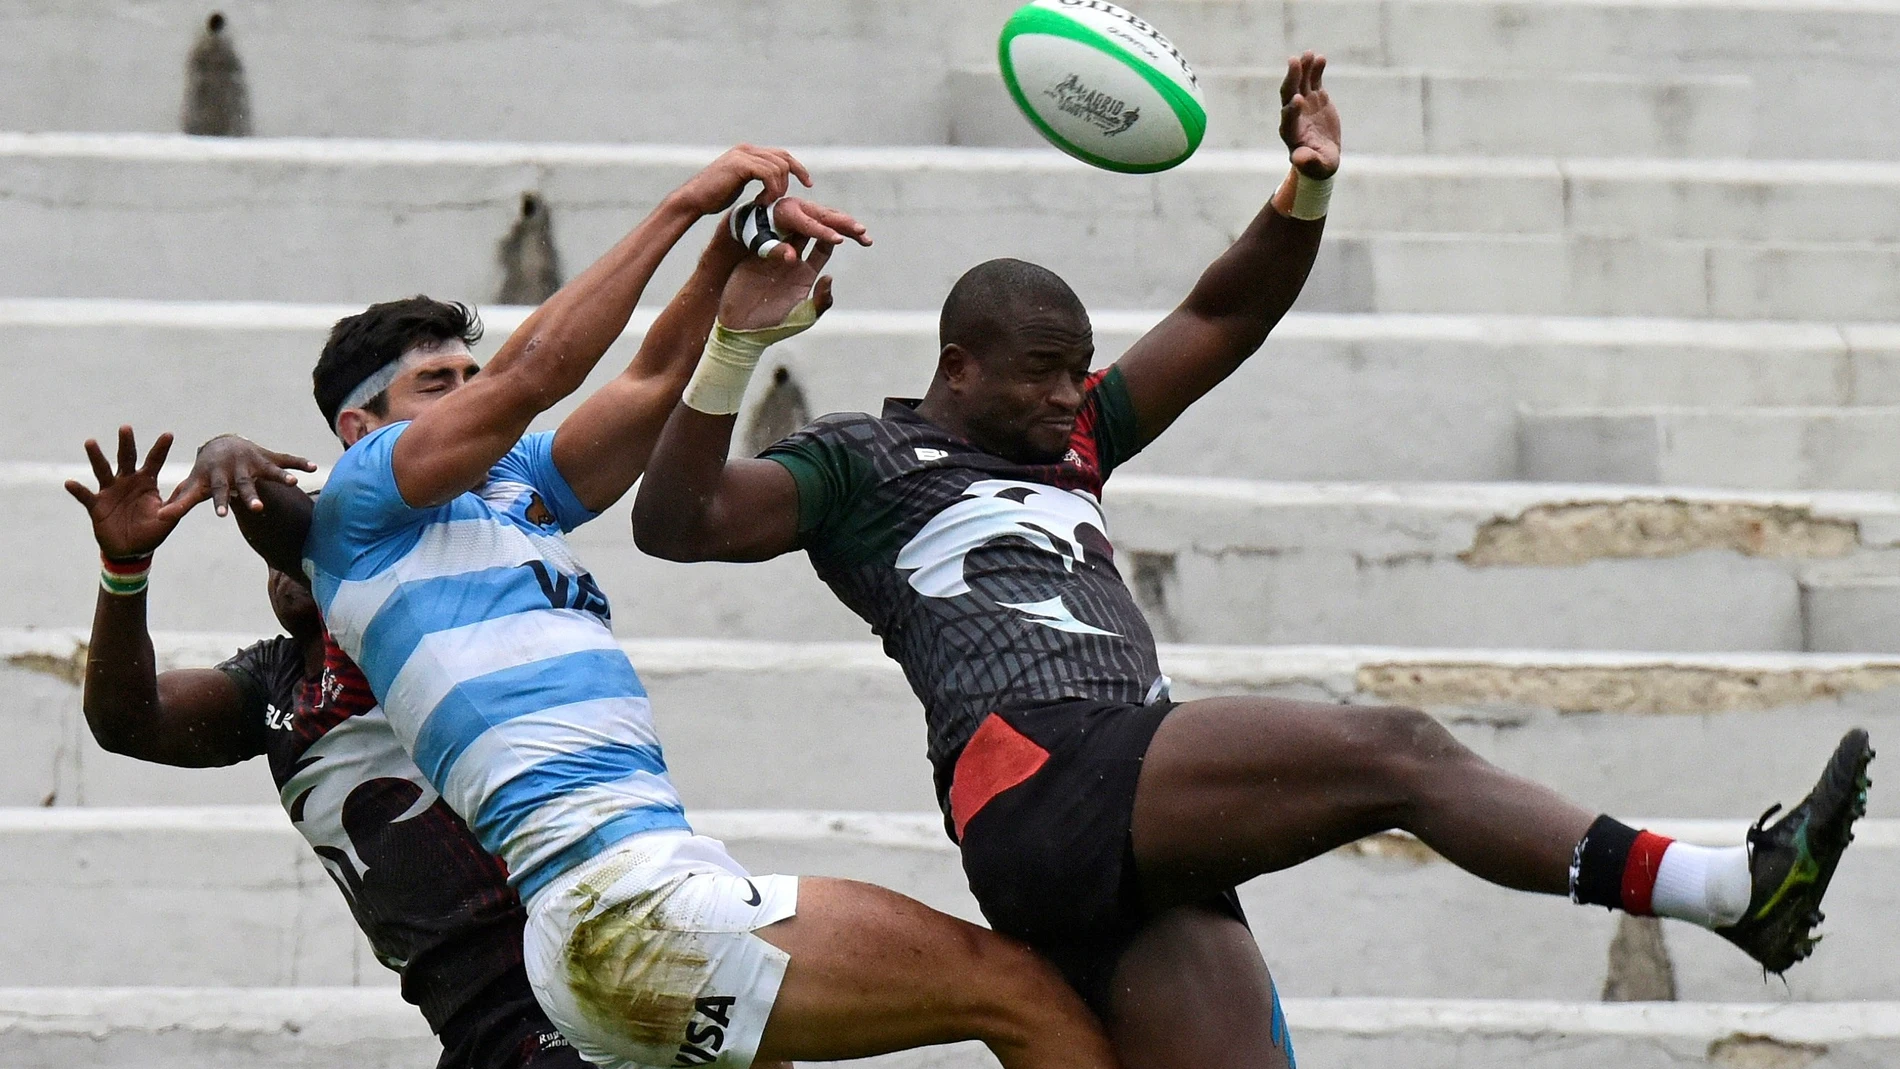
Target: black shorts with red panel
(1041, 802)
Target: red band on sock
(1639, 872)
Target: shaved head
(995, 297)
(1016, 349)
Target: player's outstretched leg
(662, 951)
(872, 971)
(1234, 787)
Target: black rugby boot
(1792, 860)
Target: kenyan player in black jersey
(436, 907)
(1098, 820)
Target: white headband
(378, 381)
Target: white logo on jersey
(927, 454)
(1045, 517)
(356, 751)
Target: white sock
(1703, 885)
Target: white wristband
(1310, 196)
(718, 384)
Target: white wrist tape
(1310, 196)
(719, 382)
(752, 227)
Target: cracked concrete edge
(1498, 524)
(1577, 532)
(1658, 688)
(1560, 681)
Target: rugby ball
(1102, 85)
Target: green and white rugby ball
(1102, 85)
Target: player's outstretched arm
(1244, 293)
(696, 503)
(452, 446)
(275, 514)
(602, 448)
(192, 718)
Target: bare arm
(602, 448)
(274, 515)
(190, 718)
(696, 503)
(1244, 293)
(452, 446)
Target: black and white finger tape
(752, 227)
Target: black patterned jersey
(436, 907)
(992, 583)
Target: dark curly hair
(365, 343)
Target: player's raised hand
(714, 189)
(761, 293)
(806, 218)
(1309, 124)
(128, 519)
(229, 465)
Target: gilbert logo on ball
(1102, 85)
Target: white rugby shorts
(645, 955)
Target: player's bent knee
(1406, 740)
(1015, 995)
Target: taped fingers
(751, 227)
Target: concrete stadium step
(1764, 448)
(1444, 391)
(590, 70)
(1468, 565)
(1544, 565)
(1480, 113)
(1382, 918)
(146, 216)
(755, 725)
(225, 1028)
(1851, 608)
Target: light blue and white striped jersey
(489, 647)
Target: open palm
(762, 291)
(127, 509)
(1309, 124)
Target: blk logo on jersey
(1059, 522)
(706, 1031)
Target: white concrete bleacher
(1647, 244)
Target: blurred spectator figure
(781, 411)
(216, 102)
(530, 270)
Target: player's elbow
(664, 536)
(109, 731)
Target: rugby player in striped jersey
(438, 559)
(434, 904)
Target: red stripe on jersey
(1082, 439)
(336, 695)
(995, 759)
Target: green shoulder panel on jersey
(836, 515)
(1116, 434)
